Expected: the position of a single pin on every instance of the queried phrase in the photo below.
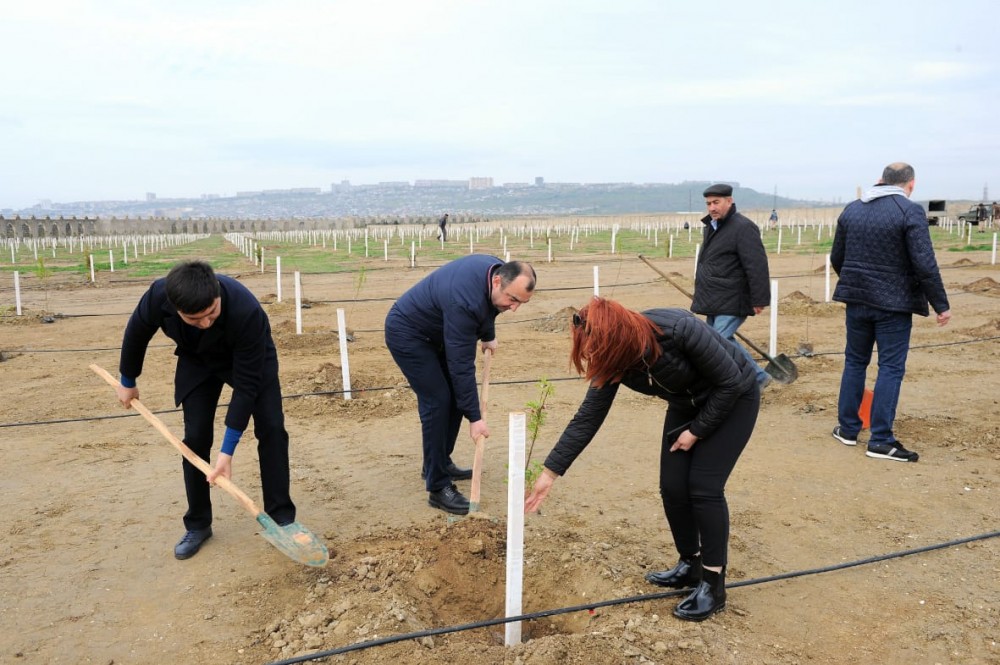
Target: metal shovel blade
(295, 541)
(782, 369)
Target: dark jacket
(237, 348)
(883, 255)
(699, 372)
(451, 309)
(732, 276)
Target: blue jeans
(890, 331)
(727, 325)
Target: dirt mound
(964, 262)
(991, 329)
(984, 285)
(558, 322)
(372, 394)
(798, 303)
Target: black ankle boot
(708, 597)
(685, 575)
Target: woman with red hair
(712, 404)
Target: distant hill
(408, 202)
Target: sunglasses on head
(578, 321)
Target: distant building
(480, 183)
(342, 187)
(539, 181)
(150, 196)
(441, 184)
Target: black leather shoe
(191, 543)
(708, 597)
(457, 472)
(685, 575)
(450, 500)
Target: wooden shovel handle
(477, 461)
(188, 454)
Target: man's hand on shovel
(479, 429)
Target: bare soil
(92, 504)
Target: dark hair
(608, 339)
(512, 270)
(897, 173)
(192, 287)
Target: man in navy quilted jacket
(883, 255)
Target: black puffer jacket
(699, 371)
(732, 276)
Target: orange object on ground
(865, 412)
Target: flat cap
(718, 190)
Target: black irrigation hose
(358, 646)
(321, 393)
(375, 389)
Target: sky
(111, 99)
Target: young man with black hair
(223, 336)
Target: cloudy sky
(110, 99)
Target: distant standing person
(982, 213)
(883, 255)
(223, 336)
(432, 331)
(773, 219)
(443, 228)
(996, 213)
(732, 280)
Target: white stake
(111, 259)
(413, 254)
(773, 348)
(697, 249)
(92, 280)
(17, 292)
(597, 281)
(827, 299)
(515, 526)
(277, 269)
(298, 303)
(345, 369)
(993, 260)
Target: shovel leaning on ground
(294, 540)
(477, 462)
(780, 367)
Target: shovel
(477, 462)
(780, 367)
(294, 540)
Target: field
(92, 495)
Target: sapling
(536, 418)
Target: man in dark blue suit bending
(223, 337)
(431, 332)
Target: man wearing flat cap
(732, 280)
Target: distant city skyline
(111, 100)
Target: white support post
(993, 258)
(92, 280)
(597, 281)
(773, 343)
(277, 269)
(697, 250)
(298, 303)
(413, 254)
(17, 292)
(827, 298)
(111, 259)
(344, 367)
(515, 526)
(549, 242)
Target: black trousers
(425, 367)
(272, 450)
(693, 482)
